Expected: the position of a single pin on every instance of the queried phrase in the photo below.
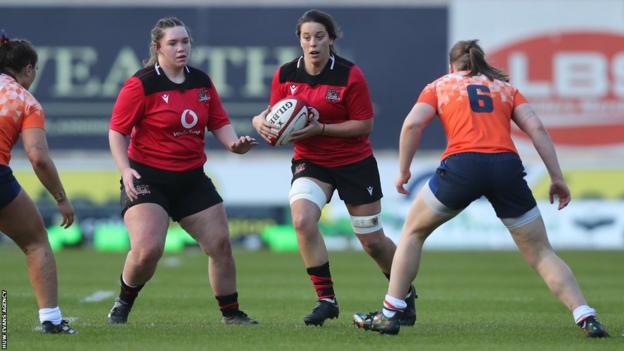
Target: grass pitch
(468, 301)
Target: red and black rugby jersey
(339, 93)
(167, 121)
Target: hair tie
(4, 39)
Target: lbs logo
(574, 81)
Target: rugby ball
(288, 115)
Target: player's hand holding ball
(277, 124)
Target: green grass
(468, 301)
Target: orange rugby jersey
(475, 111)
(18, 110)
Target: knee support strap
(366, 224)
(304, 188)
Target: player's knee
(374, 245)
(304, 223)
(303, 188)
(221, 248)
(148, 256)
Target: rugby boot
(324, 309)
(237, 317)
(376, 321)
(592, 328)
(63, 328)
(119, 313)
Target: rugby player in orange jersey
(476, 105)
(21, 113)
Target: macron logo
(165, 98)
(293, 88)
(370, 190)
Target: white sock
(51, 315)
(391, 305)
(582, 312)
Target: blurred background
(566, 57)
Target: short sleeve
(429, 96)
(217, 117)
(519, 99)
(276, 88)
(129, 106)
(34, 116)
(357, 99)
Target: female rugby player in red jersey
(332, 153)
(166, 109)
(21, 113)
(476, 104)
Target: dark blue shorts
(463, 178)
(9, 187)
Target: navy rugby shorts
(9, 187)
(465, 177)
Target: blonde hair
(157, 33)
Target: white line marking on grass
(98, 296)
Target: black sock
(228, 303)
(127, 293)
(321, 278)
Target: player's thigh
(21, 221)
(426, 214)
(209, 227)
(147, 225)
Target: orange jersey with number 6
(19, 110)
(475, 112)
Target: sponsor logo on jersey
(188, 119)
(575, 83)
(203, 95)
(165, 98)
(333, 95)
(370, 190)
(293, 89)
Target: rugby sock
(228, 303)
(51, 315)
(409, 292)
(392, 305)
(321, 278)
(128, 293)
(583, 312)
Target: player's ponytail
(467, 55)
(157, 33)
(15, 54)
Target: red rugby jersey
(167, 121)
(339, 93)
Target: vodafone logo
(574, 81)
(184, 119)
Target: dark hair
(323, 18)
(158, 32)
(467, 55)
(15, 54)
